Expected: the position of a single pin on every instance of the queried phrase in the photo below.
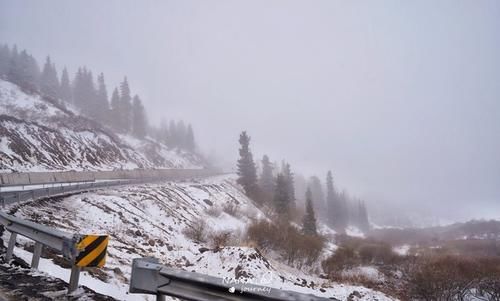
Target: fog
(401, 100)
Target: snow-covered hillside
(151, 220)
(39, 135)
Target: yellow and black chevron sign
(92, 251)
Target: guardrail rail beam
(149, 277)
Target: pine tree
(78, 89)
(14, 66)
(173, 135)
(49, 83)
(4, 61)
(101, 101)
(164, 133)
(65, 88)
(266, 180)
(318, 197)
(287, 173)
(343, 210)
(181, 134)
(247, 173)
(281, 198)
(125, 107)
(139, 123)
(190, 142)
(363, 223)
(84, 93)
(309, 220)
(24, 71)
(331, 201)
(115, 111)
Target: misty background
(401, 100)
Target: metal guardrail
(65, 243)
(9, 197)
(149, 277)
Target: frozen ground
(39, 135)
(150, 219)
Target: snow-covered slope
(151, 220)
(39, 135)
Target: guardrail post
(10, 248)
(37, 252)
(160, 298)
(74, 278)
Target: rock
(202, 250)
(208, 202)
(354, 296)
(151, 242)
(138, 233)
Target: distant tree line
(122, 112)
(274, 187)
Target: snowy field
(37, 135)
(150, 219)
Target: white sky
(401, 99)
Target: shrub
(220, 239)
(442, 278)
(376, 253)
(343, 258)
(489, 278)
(230, 208)
(214, 211)
(197, 230)
(294, 246)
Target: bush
(220, 239)
(230, 208)
(214, 211)
(291, 243)
(197, 230)
(263, 234)
(443, 278)
(489, 278)
(376, 253)
(343, 258)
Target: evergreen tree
(125, 107)
(49, 83)
(343, 210)
(101, 101)
(281, 197)
(247, 173)
(173, 134)
(309, 220)
(115, 111)
(190, 142)
(139, 123)
(318, 197)
(181, 134)
(78, 89)
(84, 93)
(363, 223)
(266, 180)
(24, 71)
(287, 173)
(65, 88)
(4, 61)
(331, 201)
(164, 133)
